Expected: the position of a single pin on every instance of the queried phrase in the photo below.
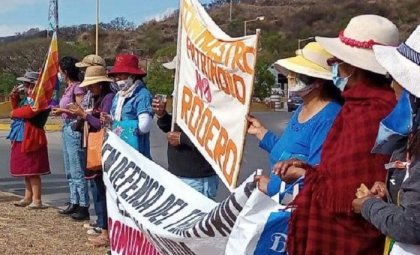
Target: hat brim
(93, 80)
(301, 65)
(170, 65)
(133, 71)
(23, 79)
(82, 65)
(362, 58)
(405, 72)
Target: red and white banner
(152, 211)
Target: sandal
(99, 241)
(34, 206)
(22, 203)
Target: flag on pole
(47, 83)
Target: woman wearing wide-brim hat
(131, 111)
(29, 152)
(98, 83)
(324, 221)
(398, 214)
(310, 78)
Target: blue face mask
(60, 77)
(395, 128)
(338, 81)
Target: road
(55, 188)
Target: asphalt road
(55, 188)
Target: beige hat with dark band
(93, 75)
(91, 60)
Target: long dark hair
(105, 90)
(414, 138)
(68, 65)
(330, 92)
(376, 79)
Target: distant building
(279, 91)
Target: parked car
(293, 103)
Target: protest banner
(213, 89)
(152, 212)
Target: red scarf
(323, 222)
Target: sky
(21, 15)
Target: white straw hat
(170, 65)
(95, 74)
(403, 62)
(310, 61)
(354, 44)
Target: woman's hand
(78, 111)
(105, 119)
(358, 203)
(57, 111)
(290, 170)
(14, 92)
(262, 182)
(379, 190)
(159, 107)
(255, 127)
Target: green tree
(160, 80)
(7, 81)
(264, 79)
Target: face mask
(125, 84)
(395, 127)
(338, 81)
(121, 84)
(60, 77)
(304, 91)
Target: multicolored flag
(47, 83)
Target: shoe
(70, 209)
(99, 241)
(82, 213)
(34, 206)
(90, 225)
(22, 203)
(94, 231)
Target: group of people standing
(336, 145)
(361, 105)
(95, 98)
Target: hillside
(285, 22)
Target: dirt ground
(45, 232)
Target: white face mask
(305, 91)
(121, 84)
(299, 88)
(125, 84)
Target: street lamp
(260, 18)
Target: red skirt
(28, 163)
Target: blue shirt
(140, 102)
(299, 140)
(17, 127)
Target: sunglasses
(334, 60)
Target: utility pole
(230, 11)
(53, 14)
(97, 27)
